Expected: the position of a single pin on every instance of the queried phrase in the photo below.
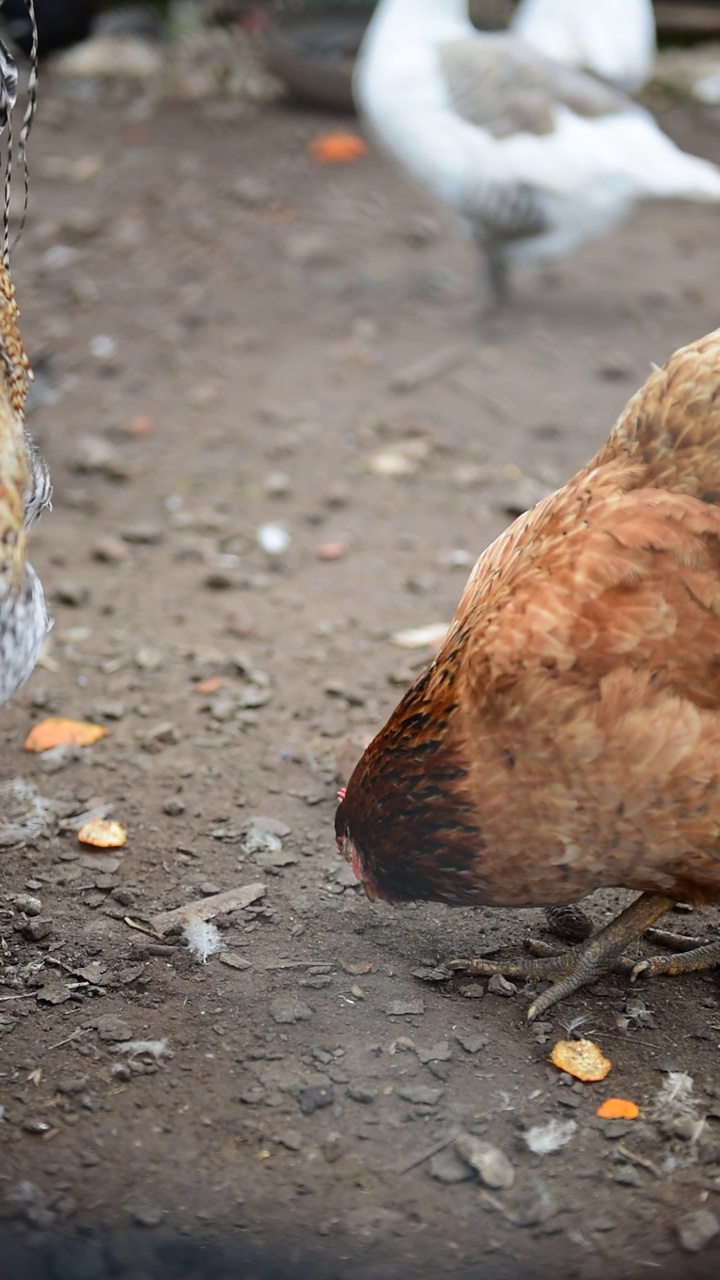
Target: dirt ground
(241, 338)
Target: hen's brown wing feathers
(567, 736)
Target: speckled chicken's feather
(24, 481)
(14, 472)
(567, 736)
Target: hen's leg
(498, 275)
(586, 963)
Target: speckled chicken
(25, 488)
(567, 736)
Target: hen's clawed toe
(604, 953)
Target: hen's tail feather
(16, 480)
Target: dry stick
(432, 1151)
(77, 1033)
(641, 1160)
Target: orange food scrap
(337, 148)
(580, 1058)
(331, 550)
(103, 834)
(211, 685)
(59, 732)
(141, 426)
(618, 1109)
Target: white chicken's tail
(661, 168)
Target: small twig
(79, 1031)
(493, 1203)
(432, 1151)
(299, 964)
(26, 995)
(133, 924)
(641, 1160)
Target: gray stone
(472, 1041)
(361, 1095)
(315, 1098)
(290, 1139)
(421, 1095)
(489, 1162)
(447, 1167)
(288, 1009)
(499, 986)
(697, 1229)
(439, 1052)
(112, 1028)
(149, 1215)
(404, 1008)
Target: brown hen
(567, 736)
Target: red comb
(342, 792)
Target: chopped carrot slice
(618, 1109)
(58, 732)
(337, 148)
(211, 685)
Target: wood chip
(207, 908)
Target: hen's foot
(569, 970)
(692, 960)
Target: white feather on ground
(203, 938)
(158, 1050)
(675, 1096)
(532, 157)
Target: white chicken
(534, 158)
(615, 39)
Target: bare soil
(275, 326)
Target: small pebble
(111, 1027)
(331, 550)
(360, 1094)
(290, 1139)
(404, 1008)
(499, 986)
(697, 1229)
(102, 346)
(332, 1147)
(472, 1042)
(150, 1215)
(447, 1167)
(273, 538)
(36, 929)
(147, 535)
(286, 1010)
(421, 1095)
(489, 1162)
(233, 961)
(315, 1098)
(75, 594)
(29, 905)
(110, 550)
(277, 484)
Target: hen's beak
(369, 890)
